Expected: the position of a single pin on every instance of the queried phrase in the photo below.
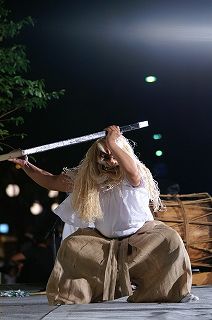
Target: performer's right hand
(22, 161)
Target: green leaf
(18, 120)
(18, 93)
(4, 133)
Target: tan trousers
(92, 268)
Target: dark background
(100, 52)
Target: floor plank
(37, 308)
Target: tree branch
(6, 145)
(13, 110)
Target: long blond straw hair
(91, 177)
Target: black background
(100, 53)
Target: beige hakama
(92, 268)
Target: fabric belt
(117, 267)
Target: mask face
(105, 157)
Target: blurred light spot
(4, 228)
(157, 136)
(36, 208)
(18, 166)
(150, 79)
(53, 194)
(12, 190)
(54, 205)
(158, 153)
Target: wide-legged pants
(92, 268)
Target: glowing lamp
(159, 153)
(150, 79)
(36, 208)
(12, 190)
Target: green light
(158, 153)
(150, 79)
(157, 136)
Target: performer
(117, 242)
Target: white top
(125, 210)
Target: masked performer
(117, 242)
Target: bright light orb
(4, 228)
(53, 194)
(36, 208)
(157, 136)
(159, 153)
(12, 190)
(54, 206)
(150, 79)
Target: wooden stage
(35, 307)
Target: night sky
(100, 52)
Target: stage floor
(36, 307)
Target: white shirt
(125, 210)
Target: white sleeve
(67, 214)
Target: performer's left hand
(22, 161)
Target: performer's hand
(22, 161)
(113, 133)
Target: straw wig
(92, 176)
